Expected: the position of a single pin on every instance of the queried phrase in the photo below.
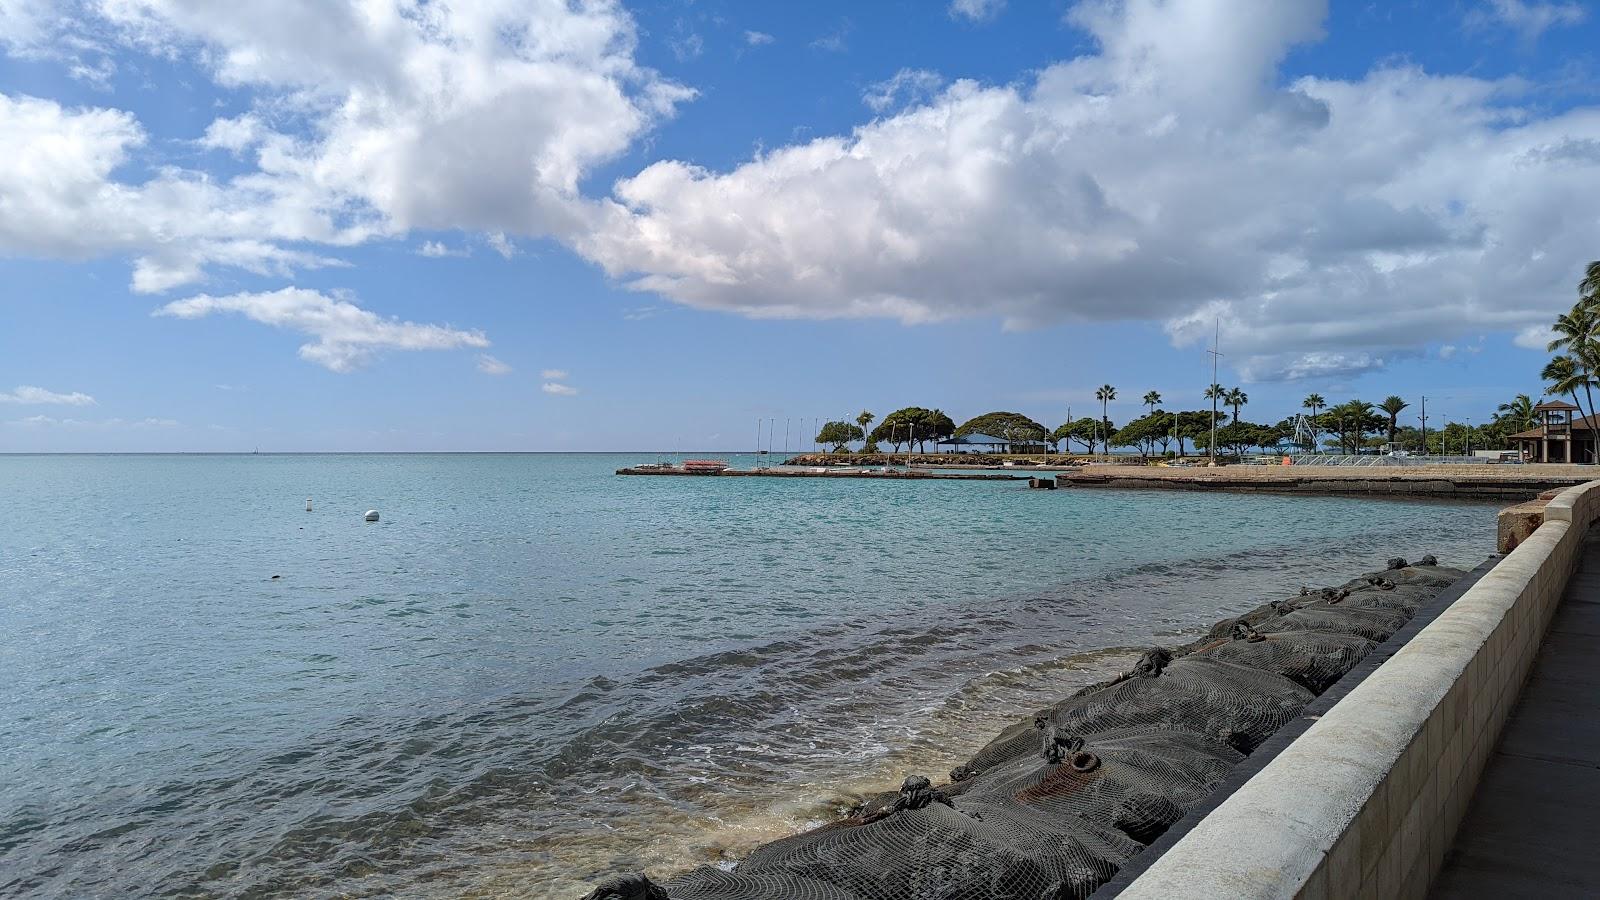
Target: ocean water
(532, 672)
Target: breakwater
(890, 474)
(1366, 802)
(1056, 805)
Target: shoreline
(1380, 605)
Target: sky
(405, 225)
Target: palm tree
(1577, 331)
(1392, 405)
(1151, 399)
(1235, 398)
(1589, 287)
(864, 420)
(1565, 377)
(1314, 402)
(1105, 395)
(1518, 414)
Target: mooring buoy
(308, 504)
(372, 515)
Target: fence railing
(1330, 459)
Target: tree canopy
(913, 425)
(839, 434)
(1014, 428)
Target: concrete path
(1533, 829)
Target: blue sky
(552, 226)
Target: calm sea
(532, 672)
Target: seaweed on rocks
(1055, 805)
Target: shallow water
(532, 672)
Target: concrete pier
(897, 474)
(1512, 484)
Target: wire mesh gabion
(1054, 806)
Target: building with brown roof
(1562, 435)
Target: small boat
(704, 466)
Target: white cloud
(52, 422)
(394, 116)
(234, 135)
(1448, 351)
(554, 374)
(502, 245)
(686, 47)
(1331, 225)
(489, 365)
(833, 41)
(976, 10)
(59, 199)
(347, 336)
(28, 394)
(440, 250)
(905, 87)
(757, 38)
(1528, 20)
(560, 390)
(1534, 337)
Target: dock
(797, 472)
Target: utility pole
(1424, 420)
(1215, 343)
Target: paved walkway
(1533, 829)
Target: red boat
(704, 466)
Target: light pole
(1424, 419)
(1216, 339)
(1469, 435)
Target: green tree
(1315, 403)
(1084, 431)
(839, 434)
(913, 425)
(1235, 398)
(1578, 332)
(1393, 405)
(1014, 428)
(863, 421)
(1105, 395)
(1518, 414)
(1152, 399)
(1354, 419)
(1565, 376)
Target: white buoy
(308, 504)
(372, 515)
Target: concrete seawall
(1510, 484)
(1367, 800)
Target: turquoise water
(532, 671)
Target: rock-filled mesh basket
(1056, 805)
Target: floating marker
(308, 504)
(372, 515)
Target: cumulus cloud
(397, 116)
(757, 38)
(347, 336)
(1528, 20)
(489, 365)
(29, 395)
(976, 10)
(554, 374)
(560, 390)
(1329, 225)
